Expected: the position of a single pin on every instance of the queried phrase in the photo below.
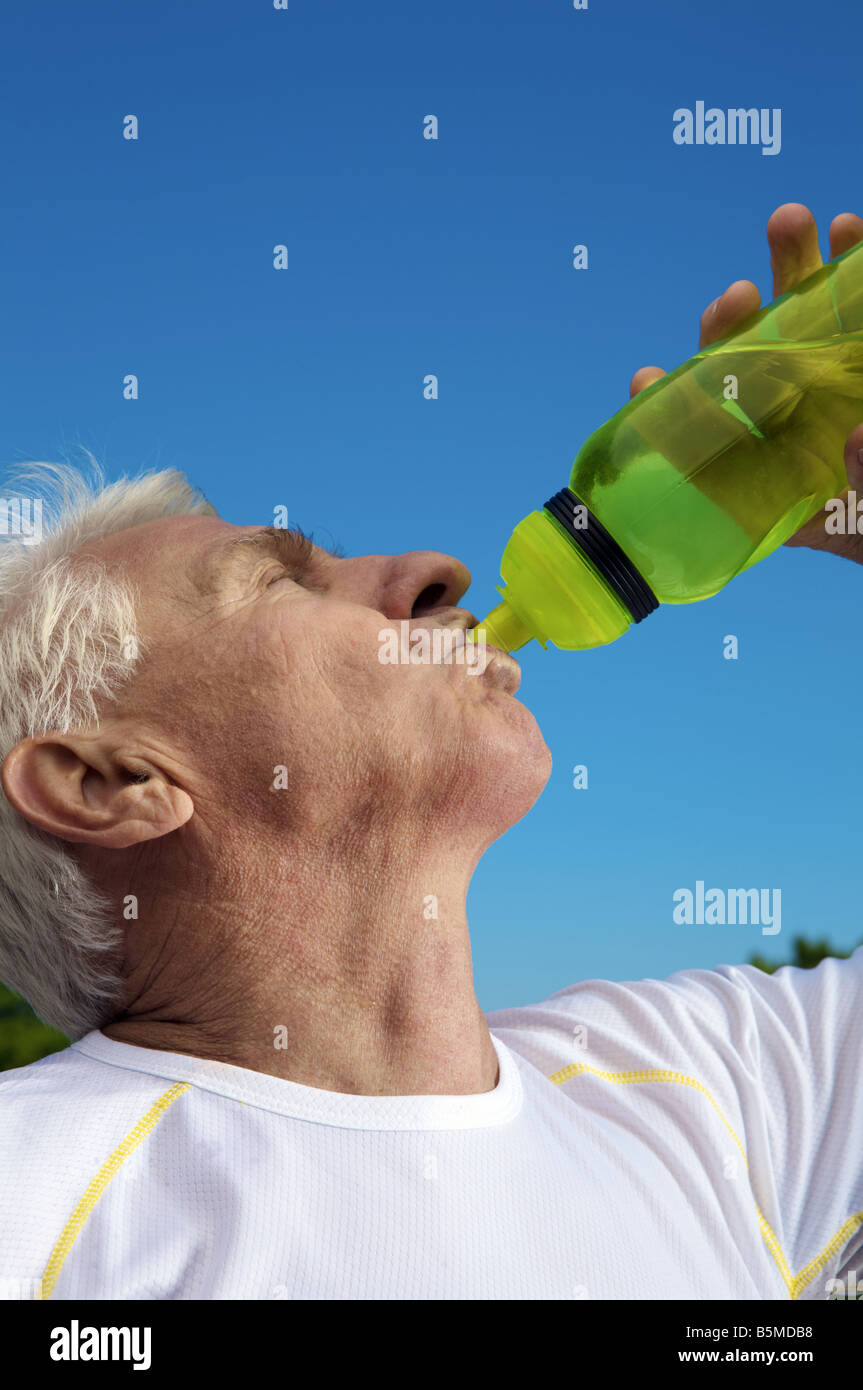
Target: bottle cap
(554, 592)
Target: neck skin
(329, 950)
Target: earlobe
(71, 787)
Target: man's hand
(794, 254)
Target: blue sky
(453, 257)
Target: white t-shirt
(697, 1137)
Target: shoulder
(61, 1118)
(71, 1096)
(66, 1121)
(714, 1022)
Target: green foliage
(24, 1037)
(805, 954)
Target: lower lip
(496, 652)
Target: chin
(513, 757)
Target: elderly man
(236, 853)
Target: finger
(792, 235)
(846, 230)
(739, 301)
(645, 376)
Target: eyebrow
(288, 544)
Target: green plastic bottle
(698, 477)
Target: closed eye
(295, 576)
(291, 548)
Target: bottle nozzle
(504, 629)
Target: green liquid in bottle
(705, 472)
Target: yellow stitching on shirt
(75, 1224)
(834, 1244)
(635, 1077)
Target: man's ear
(80, 788)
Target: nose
(411, 585)
(422, 581)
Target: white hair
(65, 630)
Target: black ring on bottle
(602, 549)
